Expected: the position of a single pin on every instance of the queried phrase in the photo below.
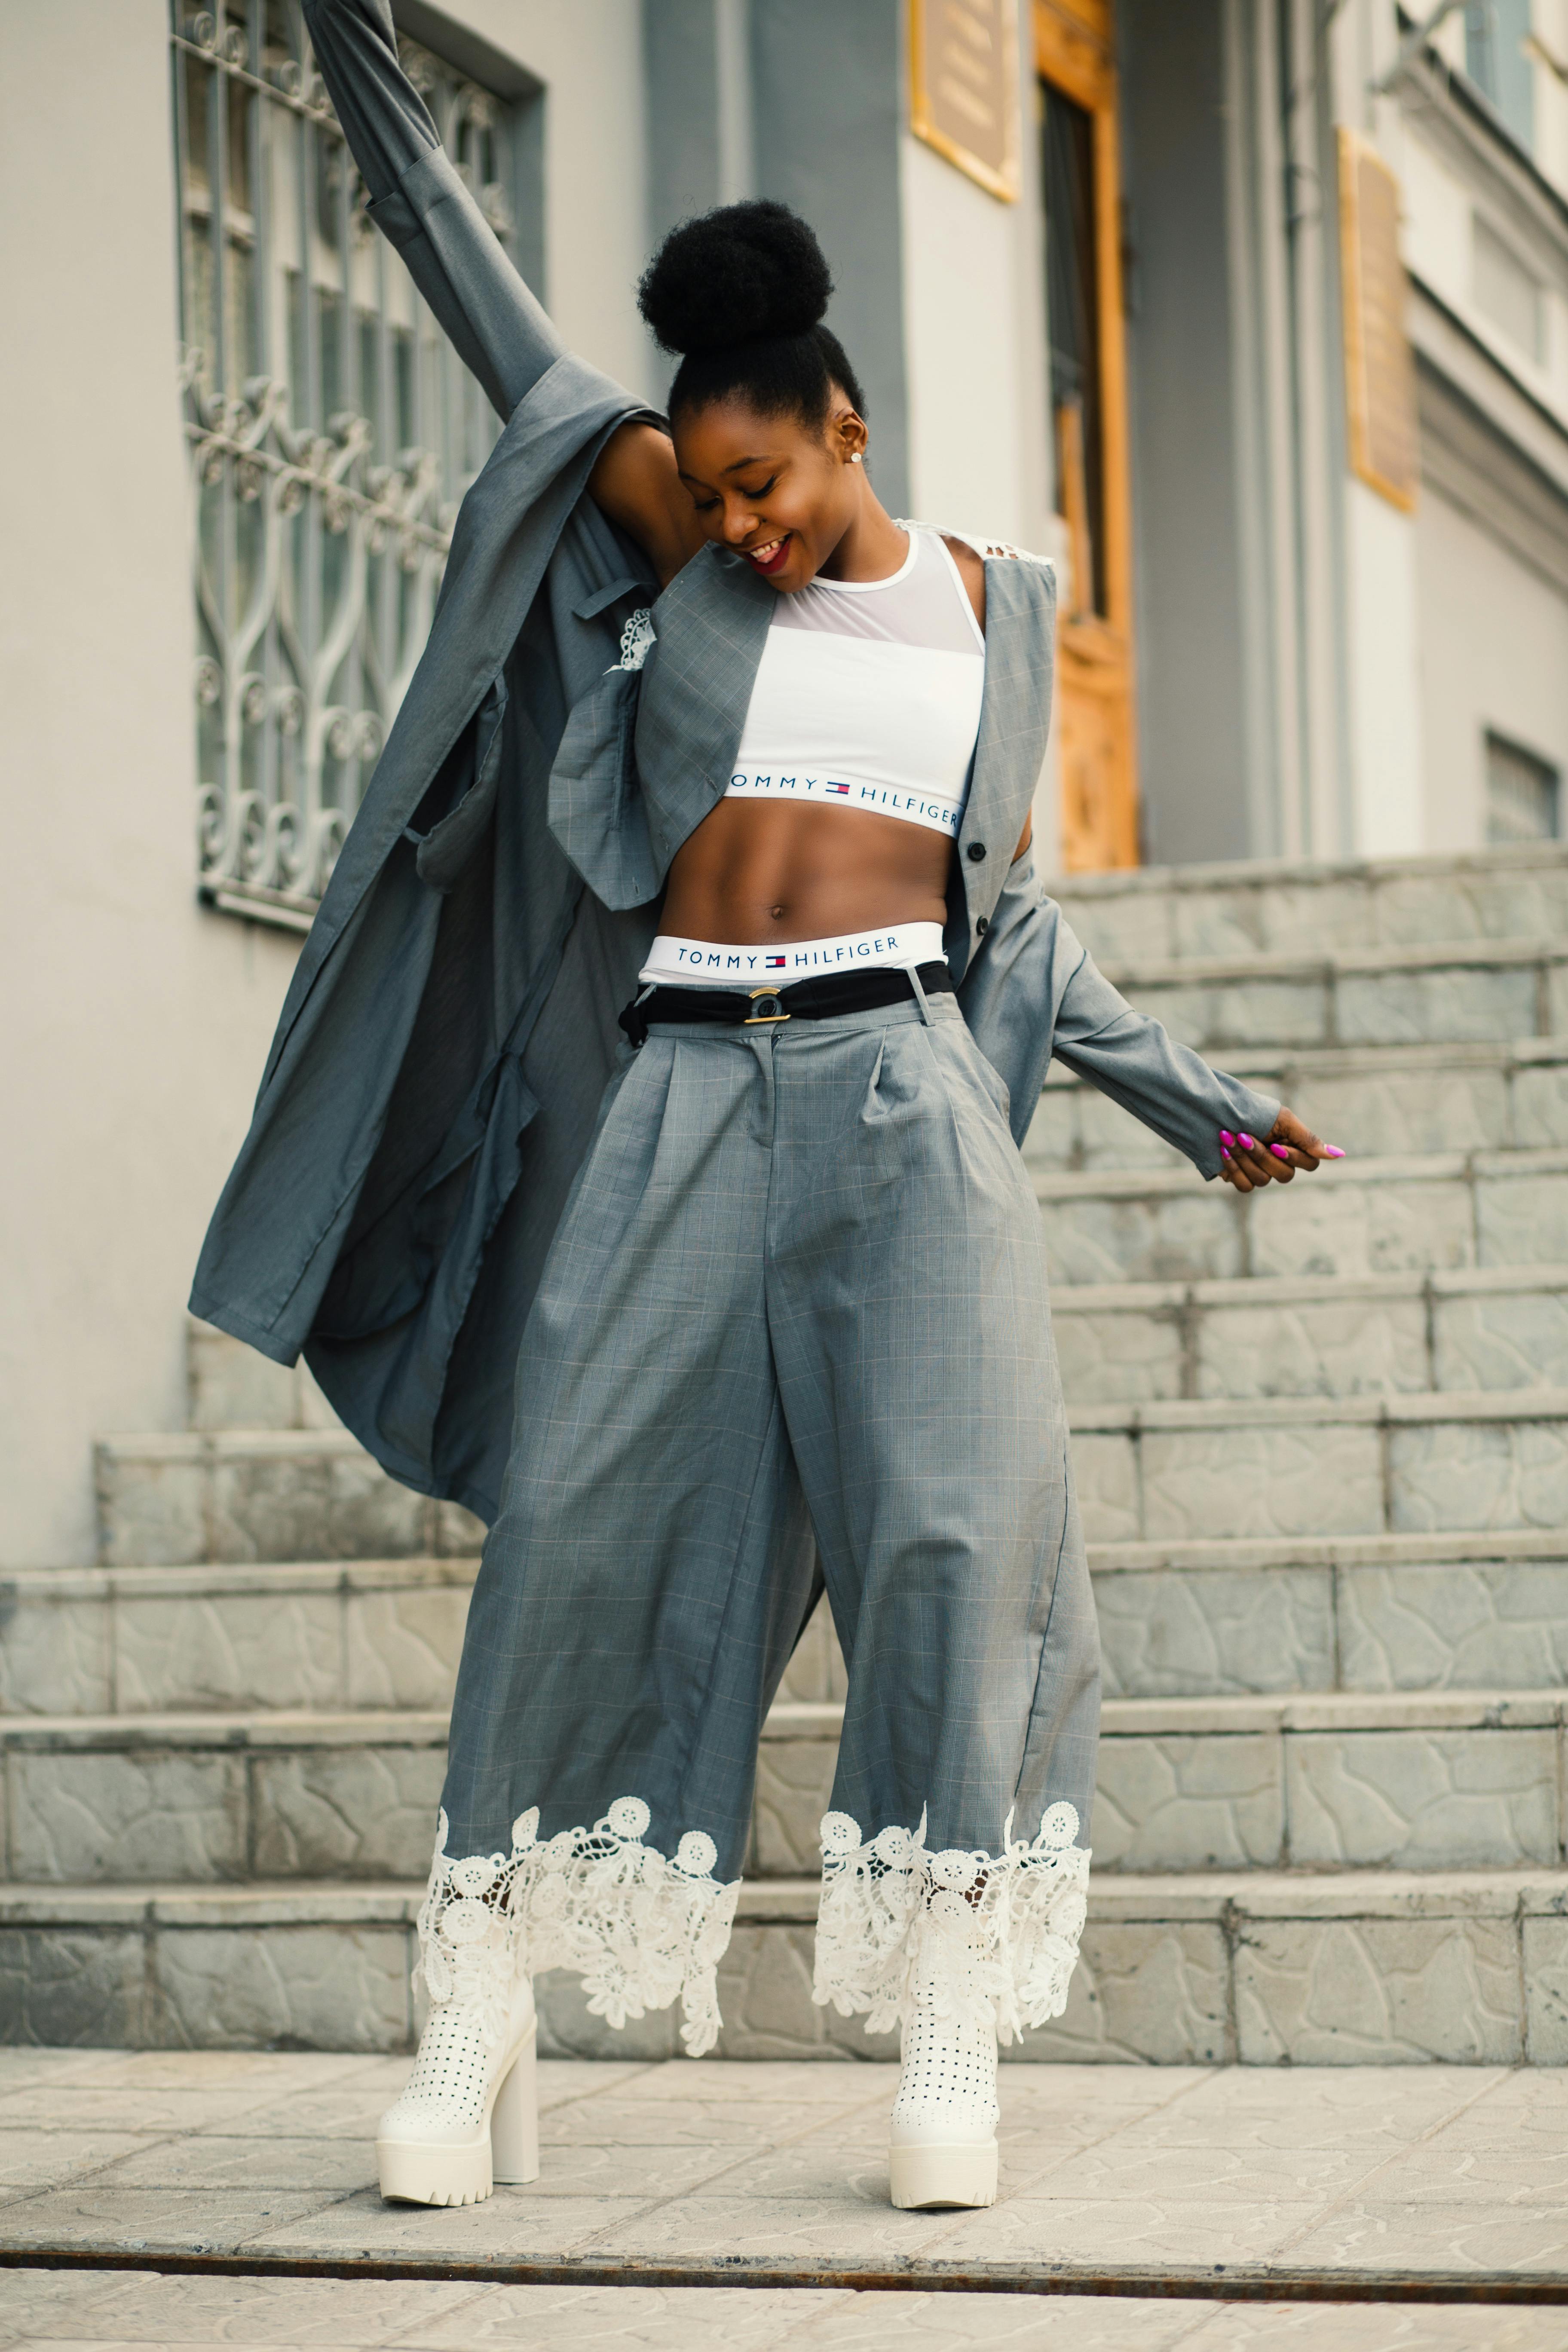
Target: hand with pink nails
(1248, 1163)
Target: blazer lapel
(711, 623)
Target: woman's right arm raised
(455, 259)
(419, 200)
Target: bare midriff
(747, 874)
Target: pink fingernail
(1279, 1151)
(1226, 1135)
(1247, 1144)
(1332, 1151)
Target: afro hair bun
(747, 273)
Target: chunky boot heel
(514, 2119)
(928, 2176)
(473, 2081)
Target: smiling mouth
(770, 555)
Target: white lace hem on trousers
(637, 1927)
(988, 1938)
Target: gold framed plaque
(964, 87)
(1380, 373)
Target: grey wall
(822, 133)
(1187, 537)
(827, 78)
(680, 52)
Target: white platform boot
(942, 2147)
(469, 2116)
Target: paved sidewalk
(658, 2178)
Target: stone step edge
(1249, 873)
(1488, 1166)
(1223, 1896)
(242, 1730)
(1440, 1055)
(1420, 1408)
(1337, 965)
(1261, 1290)
(211, 1448)
(1218, 1555)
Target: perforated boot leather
(942, 2142)
(469, 2116)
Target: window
(1523, 794)
(1497, 61)
(1506, 290)
(333, 433)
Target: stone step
(1178, 1618)
(1374, 1101)
(1336, 1781)
(1441, 992)
(1219, 1467)
(1268, 1968)
(1289, 908)
(1502, 1327)
(1392, 1215)
(263, 1494)
(1416, 1781)
(1312, 1466)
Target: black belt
(807, 1000)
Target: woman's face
(776, 490)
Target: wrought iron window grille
(331, 433)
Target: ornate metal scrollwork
(319, 542)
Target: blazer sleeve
(1034, 991)
(420, 202)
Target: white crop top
(867, 694)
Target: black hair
(741, 293)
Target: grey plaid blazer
(432, 1086)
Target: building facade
(1256, 317)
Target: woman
(781, 1312)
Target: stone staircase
(1322, 1441)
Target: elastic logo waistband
(887, 800)
(707, 964)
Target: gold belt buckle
(764, 1020)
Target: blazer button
(982, 927)
(976, 851)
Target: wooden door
(1075, 58)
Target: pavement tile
(71, 2106)
(92, 2216)
(1225, 2175)
(852, 2225)
(515, 2224)
(272, 2072)
(136, 2307)
(700, 2123)
(560, 2079)
(586, 2169)
(208, 2160)
(1042, 2228)
(45, 2159)
(1377, 2327)
(652, 2319)
(20, 2065)
(1053, 2323)
(1449, 2170)
(1320, 2106)
(1387, 2234)
(827, 2083)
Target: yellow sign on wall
(964, 87)
(1380, 373)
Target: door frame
(1075, 51)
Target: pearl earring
(855, 456)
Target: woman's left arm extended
(1034, 992)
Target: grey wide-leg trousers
(795, 1313)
